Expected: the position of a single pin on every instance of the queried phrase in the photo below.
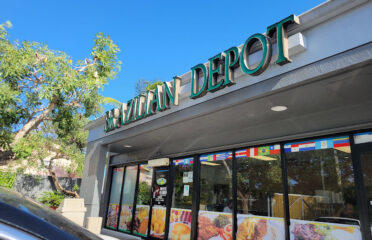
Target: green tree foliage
(143, 193)
(46, 98)
(257, 179)
(46, 84)
(144, 85)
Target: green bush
(76, 188)
(51, 199)
(7, 179)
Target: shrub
(51, 199)
(7, 179)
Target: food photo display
(112, 216)
(179, 224)
(308, 230)
(141, 220)
(158, 222)
(259, 228)
(214, 226)
(125, 218)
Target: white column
(93, 175)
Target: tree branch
(34, 122)
(55, 179)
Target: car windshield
(40, 211)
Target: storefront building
(268, 140)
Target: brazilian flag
(263, 151)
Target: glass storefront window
(366, 162)
(141, 219)
(215, 210)
(180, 215)
(322, 194)
(125, 222)
(113, 208)
(259, 193)
(365, 157)
(365, 137)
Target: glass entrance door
(159, 199)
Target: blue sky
(158, 39)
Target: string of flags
(216, 156)
(340, 143)
(183, 161)
(337, 143)
(258, 151)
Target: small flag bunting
(258, 151)
(183, 161)
(318, 144)
(216, 156)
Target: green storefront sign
(215, 75)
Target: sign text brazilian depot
(217, 74)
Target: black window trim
(357, 171)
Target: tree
(46, 98)
(142, 85)
(256, 177)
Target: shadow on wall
(33, 186)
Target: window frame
(357, 172)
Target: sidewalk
(105, 237)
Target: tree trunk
(245, 201)
(55, 180)
(32, 124)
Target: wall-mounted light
(278, 108)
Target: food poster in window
(125, 218)
(112, 215)
(260, 228)
(179, 224)
(141, 220)
(158, 222)
(306, 230)
(214, 226)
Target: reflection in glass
(321, 189)
(141, 219)
(364, 137)
(127, 200)
(113, 209)
(366, 161)
(259, 192)
(259, 179)
(180, 215)
(215, 214)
